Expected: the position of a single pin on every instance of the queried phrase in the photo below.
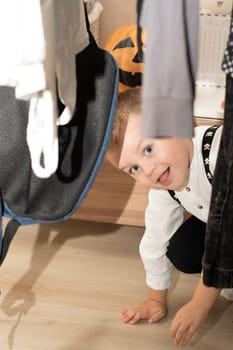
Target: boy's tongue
(164, 177)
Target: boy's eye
(133, 169)
(148, 150)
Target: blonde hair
(129, 101)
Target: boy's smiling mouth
(164, 178)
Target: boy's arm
(190, 317)
(163, 216)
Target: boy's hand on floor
(186, 322)
(151, 310)
(190, 317)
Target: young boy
(179, 173)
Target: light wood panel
(116, 198)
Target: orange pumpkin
(123, 46)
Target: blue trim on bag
(23, 220)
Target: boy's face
(158, 163)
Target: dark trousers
(186, 247)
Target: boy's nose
(147, 169)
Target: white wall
(115, 14)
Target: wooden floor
(63, 287)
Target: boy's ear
(112, 157)
(109, 156)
